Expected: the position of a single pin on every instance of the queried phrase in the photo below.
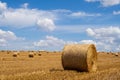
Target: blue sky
(50, 24)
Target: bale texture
(80, 57)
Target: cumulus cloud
(50, 41)
(3, 7)
(43, 19)
(106, 38)
(104, 32)
(106, 3)
(90, 32)
(7, 36)
(46, 24)
(24, 17)
(56, 43)
(3, 42)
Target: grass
(48, 67)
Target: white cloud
(106, 3)
(50, 41)
(61, 11)
(87, 42)
(118, 48)
(79, 14)
(104, 32)
(91, 0)
(82, 14)
(116, 12)
(3, 6)
(7, 36)
(46, 24)
(71, 42)
(43, 19)
(106, 38)
(24, 17)
(25, 5)
(3, 42)
(90, 32)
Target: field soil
(47, 66)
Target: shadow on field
(53, 69)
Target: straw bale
(116, 54)
(80, 57)
(15, 54)
(31, 55)
(39, 54)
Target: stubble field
(48, 67)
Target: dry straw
(80, 57)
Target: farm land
(48, 66)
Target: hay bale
(112, 53)
(31, 55)
(116, 54)
(15, 54)
(80, 57)
(108, 53)
(7, 52)
(34, 53)
(39, 54)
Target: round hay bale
(116, 54)
(8, 52)
(80, 57)
(31, 55)
(108, 53)
(34, 53)
(15, 54)
(39, 54)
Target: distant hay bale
(39, 54)
(116, 54)
(8, 52)
(31, 55)
(108, 53)
(112, 53)
(80, 57)
(2, 51)
(34, 53)
(15, 54)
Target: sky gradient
(50, 24)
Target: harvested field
(48, 67)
